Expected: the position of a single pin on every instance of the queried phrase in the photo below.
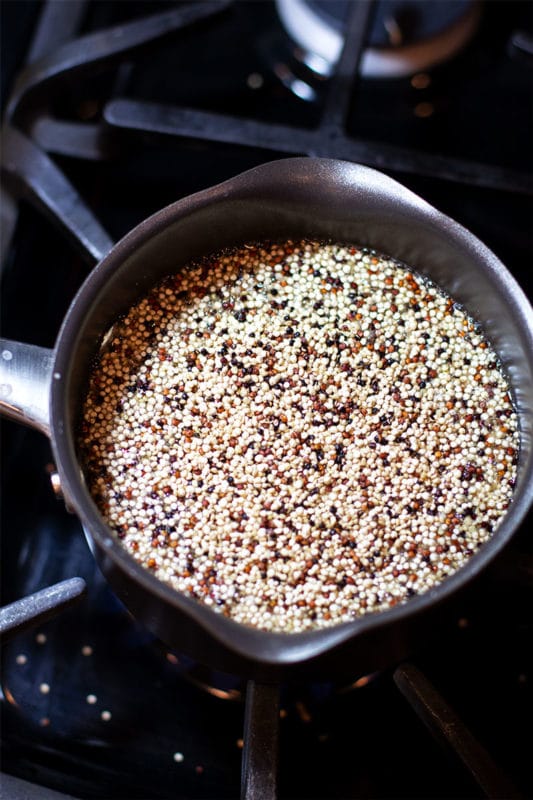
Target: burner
(404, 37)
(225, 686)
(125, 115)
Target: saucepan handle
(25, 379)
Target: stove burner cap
(405, 36)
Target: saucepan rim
(253, 643)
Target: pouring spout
(25, 378)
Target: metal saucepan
(293, 198)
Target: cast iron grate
(32, 131)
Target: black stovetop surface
(92, 704)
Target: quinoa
(298, 434)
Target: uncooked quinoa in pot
(298, 434)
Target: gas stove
(111, 111)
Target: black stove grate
(92, 706)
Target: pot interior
(294, 199)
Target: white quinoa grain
(298, 434)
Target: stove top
(102, 129)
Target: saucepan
(292, 198)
